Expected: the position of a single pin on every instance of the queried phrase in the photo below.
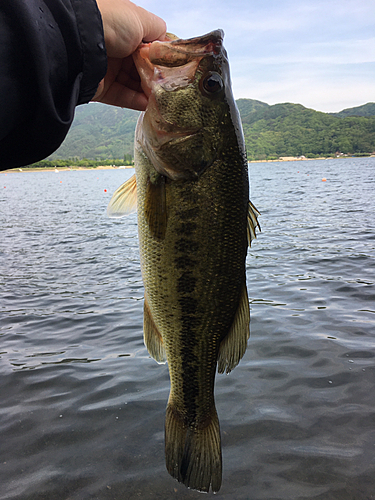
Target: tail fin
(193, 455)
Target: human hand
(125, 26)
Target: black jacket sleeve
(52, 57)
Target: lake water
(82, 403)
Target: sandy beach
(61, 169)
(110, 167)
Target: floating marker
(105, 190)
(324, 179)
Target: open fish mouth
(161, 131)
(175, 138)
(180, 124)
(154, 59)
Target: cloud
(339, 52)
(322, 87)
(320, 53)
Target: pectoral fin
(252, 222)
(233, 346)
(124, 199)
(152, 338)
(156, 207)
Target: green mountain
(364, 110)
(293, 130)
(249, 107)
(99, 132)
(105, 132)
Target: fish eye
(212, 83)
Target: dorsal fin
(124, 199)
(252, 222)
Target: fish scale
(194, 222)
(204, 276)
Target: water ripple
(83, 404)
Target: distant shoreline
(299, 158)
(109, 167)
(61, 169)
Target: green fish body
(195, 222)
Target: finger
(154, 28)
(124, 97)
(128, 71)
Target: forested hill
(364, 110)
(102, 132)
(99, 132)
(293, 130)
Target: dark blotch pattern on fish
(194, 272)
(186, 286)
(185, 245)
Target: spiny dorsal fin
(152, 338)
(233, 346)
(124, 199)
(156, 207)
(252, 222)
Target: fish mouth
(178, 52)
(161, 131)
(171, 65)
(154, 59)
(170, 151)
(175, 139)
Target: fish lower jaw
(172, 137)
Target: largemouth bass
(195, 222)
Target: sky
(318, 53)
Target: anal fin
(152, 338)
(234, 344)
